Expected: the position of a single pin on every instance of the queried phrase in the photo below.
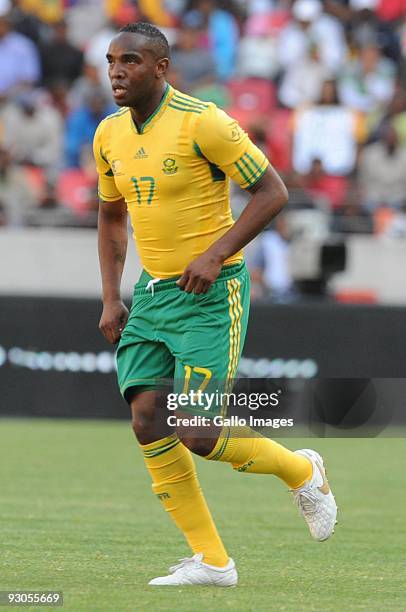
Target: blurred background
(319, 86)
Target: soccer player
(167, 158)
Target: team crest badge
(116, 167)
(170, 166)
(235, 132)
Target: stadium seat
(73, 190)
(279, 138)
(356, 296)
(252, 95)
(35, 176)
(334, 188)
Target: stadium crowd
(319, 85)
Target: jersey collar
(158, 112)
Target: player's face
(133, 69)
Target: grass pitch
(77, 515)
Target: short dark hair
(158, 39)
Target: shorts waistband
(170, 283)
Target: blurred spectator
(49, 11)
(34, 133)
(85, 86)
(258, 50)
(213, 91)
(368, 29)
(222, 31)
(303, 81)
(391, 10)
(49, 213)
(19, 57)
(61, 61)
(352, 217)
(81, 125)
(3, 218)
(325, 189)
(95, 54)
(163, 13)
(395, 112)
(77, 189)
(311, 26)
(195, 65)
(16, 195)
(326, 132)
(26, 22)
(85, 18)
(270, 274)
(368, 82)
(299, 197)
(382, 171)
(396, 228)
(291, 51)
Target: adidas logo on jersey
(140, 154)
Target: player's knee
(143, 421)
(199, 446)
(141, 429)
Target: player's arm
(226, 145)
(112, 243)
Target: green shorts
(193, 341)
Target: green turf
(77, 515)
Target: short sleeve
(222, 142)
(107, 186)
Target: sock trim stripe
(159, 443)
(161, 449)
(222, 448)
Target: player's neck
(144, 111)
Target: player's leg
(207, 360)
(174, 477)
(211, 356)
(143, 365)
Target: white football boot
(194, 571)
(315, 500)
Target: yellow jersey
(173, 173)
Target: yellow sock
(259, 455)
(175, 482)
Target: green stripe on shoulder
(119, 113)
(187, 104)
(189, 101)
(185, 109)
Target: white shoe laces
(306, 501)
(150, 285)
(191, 561)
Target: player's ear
(161, 67)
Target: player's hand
(200, 274)
(113, 320)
